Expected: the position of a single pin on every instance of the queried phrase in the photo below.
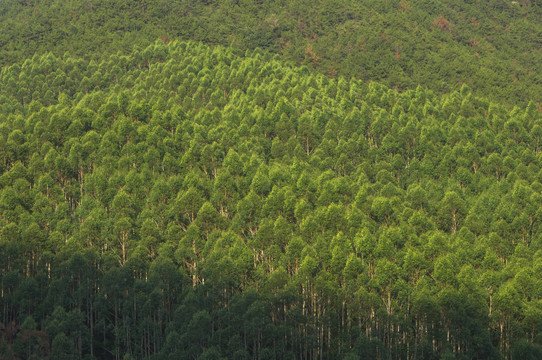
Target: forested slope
(185, 201)
(492, 46)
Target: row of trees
(186, 202)
(492, 47)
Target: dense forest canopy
(492, 46)
(187, 202)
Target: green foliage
(186, 201)
(492, 48)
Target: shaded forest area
(189, 202)
(491, 46)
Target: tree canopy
(186, 201)
(493, 47)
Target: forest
(185, 201)
(493, 47)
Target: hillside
(492, 46)
(190, 202)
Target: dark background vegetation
(492, 46)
